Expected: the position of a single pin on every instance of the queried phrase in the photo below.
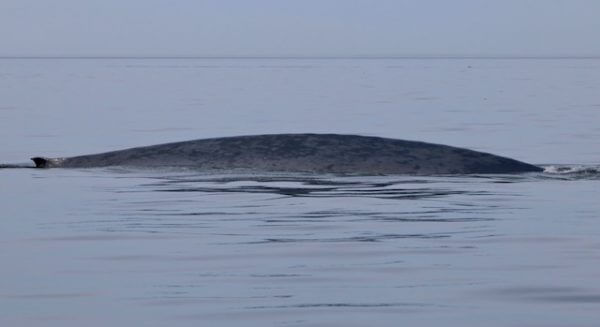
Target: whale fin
(40, 162)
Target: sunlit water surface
(125, 247)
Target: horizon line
(411, 56)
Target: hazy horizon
(291, 56)
(310, 28)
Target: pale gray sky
(299, 27)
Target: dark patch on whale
(316, 153)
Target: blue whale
(313, 153)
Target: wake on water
(572, 171)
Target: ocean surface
(125, 247)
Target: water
(182, 248)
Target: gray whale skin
(316, 153)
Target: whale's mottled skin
(318, 153)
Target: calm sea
(119, 247)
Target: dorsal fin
(40, 162)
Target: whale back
(321, 153)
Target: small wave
(16, 165)
(573, 171)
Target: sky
(299, 27)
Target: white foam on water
(573, 170)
